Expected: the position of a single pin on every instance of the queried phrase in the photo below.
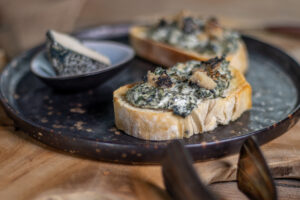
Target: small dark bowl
(119, 55)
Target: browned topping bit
(213, 28)
(164, 81)
(214, 63)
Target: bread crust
(167, 55)
(150, 124)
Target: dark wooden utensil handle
(253, 174)
(180, 177)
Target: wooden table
(30, 170)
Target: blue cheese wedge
(70, 57)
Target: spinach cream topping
(181, 88)
(195, 34)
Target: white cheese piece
(76, 46)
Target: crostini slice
(167, 55)
(162, 124)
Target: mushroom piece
(202, 80)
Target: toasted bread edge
(152, 124)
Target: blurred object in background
(23, 23)
(2, 59)
(255, 12)
(4, 120)
(287, 30)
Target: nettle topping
(182, 87)
(193, 33)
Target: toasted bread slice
(150, 124)
(167, 55)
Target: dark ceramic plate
(83, 123)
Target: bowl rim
(125, 47)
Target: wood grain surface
(30, 170)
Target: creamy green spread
(203, 36)
(181, 88)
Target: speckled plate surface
(83, 123)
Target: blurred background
(23, 22)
